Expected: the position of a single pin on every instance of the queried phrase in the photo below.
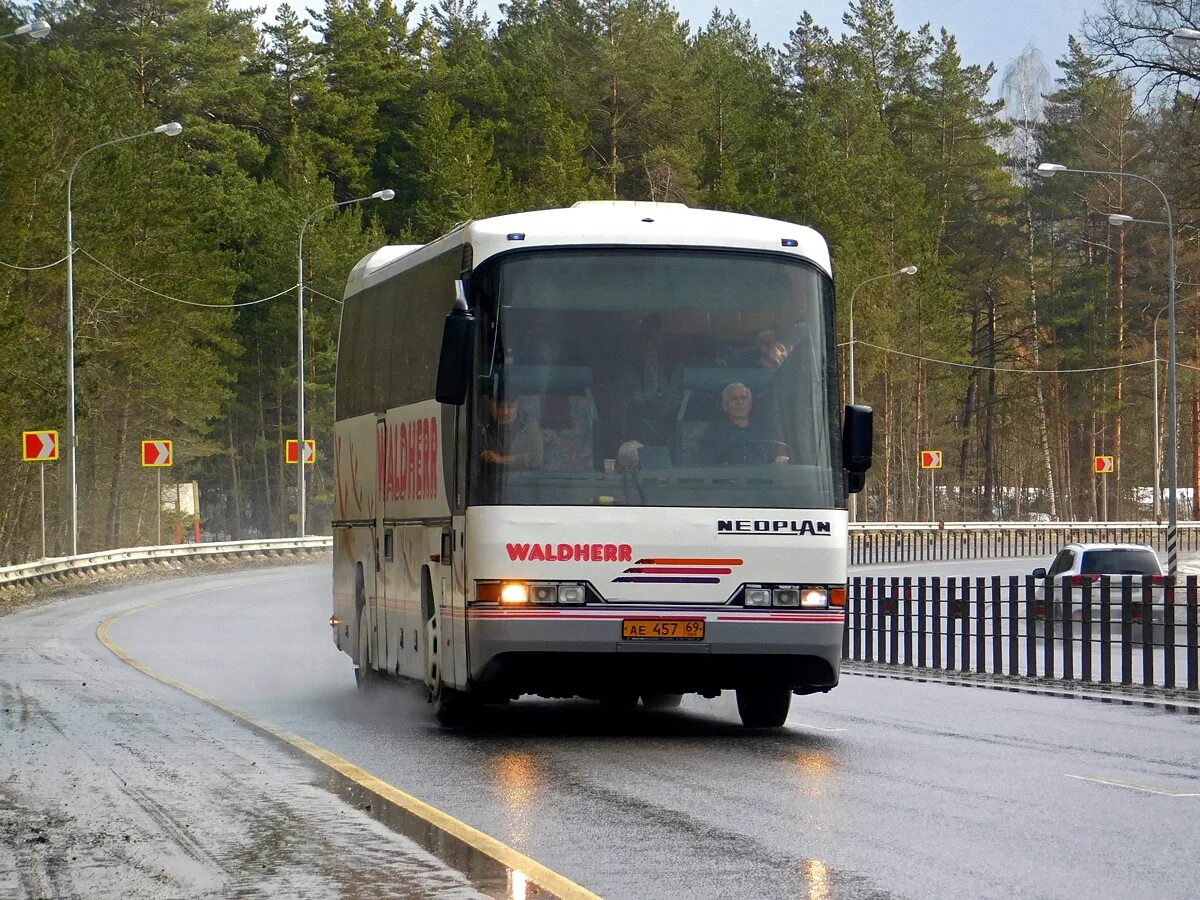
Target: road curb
(1173, 700)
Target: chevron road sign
(156, 454)
(1105, 465)
(40, 446)
(931, 459)
(310, 451)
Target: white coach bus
(595, 452)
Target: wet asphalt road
(114, 785)
(882, 788)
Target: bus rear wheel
(367, 678)
(763, 707)
(453, 708)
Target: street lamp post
(301, 504)
(1048, 170)
(37, 29)
(907, 270)
(1120, 219)
(170, 129)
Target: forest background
(1023, 348)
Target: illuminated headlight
(787, 596)
(545, 593)
(814, 598)
(514, 593)
(758, 596)
(570, 593)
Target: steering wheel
(749, 453)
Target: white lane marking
(1133, 787)
(817, 727)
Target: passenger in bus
(736, 439)
(769, 351)
(508, 438)
(772, 351)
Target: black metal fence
(919, 541)
(1102, 630)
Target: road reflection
(519, 780)
(817, 874)
(518, 885)
(815, 762)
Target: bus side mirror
(454, 366)
(857, 436)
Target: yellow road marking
(1133, 787)
(520, 864)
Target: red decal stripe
(667, 570)
(688, 562)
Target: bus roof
(601, 222)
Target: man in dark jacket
(736, 440)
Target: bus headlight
(537, 593)
(570, 593)
(814, 598)
(545, 593)
(758, 597)
(787, 596)
(514, 593)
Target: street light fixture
(37, 29)
(907, 270)
(170, 129)
(386, 194)
(1047, 170)
(1185, 35)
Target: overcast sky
(987, 30)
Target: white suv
(1087, 562)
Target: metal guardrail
(47, 569)
(885, 542)
(1098, 630)
(870, 543)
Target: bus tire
(453, 708)
(762, 707)
(662, 701)
(367, 678)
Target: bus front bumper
(562, 653)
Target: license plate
(662, 629)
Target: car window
(1062, 562)
(1120, 562)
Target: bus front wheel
(762, 707)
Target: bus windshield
(655, 377)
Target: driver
(736, 439)
(510, 440)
